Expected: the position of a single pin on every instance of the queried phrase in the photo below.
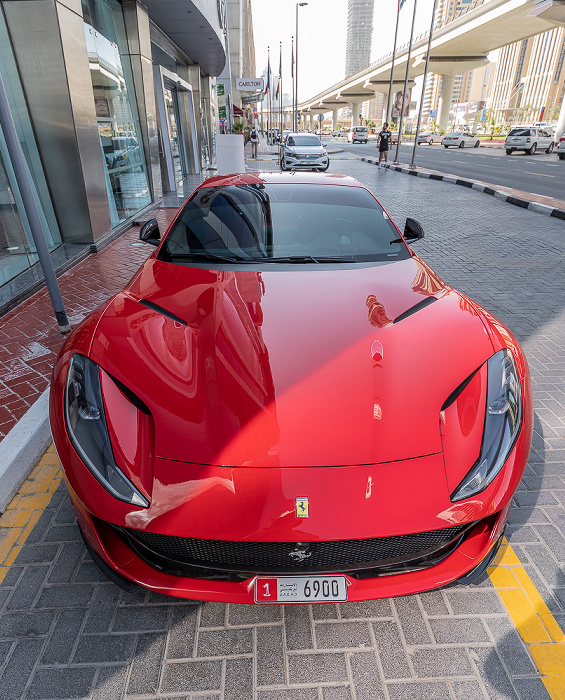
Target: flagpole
(293, 127)
(268, 91)
(280, 94)
(412, 165)
(405, 84)
(392, 67)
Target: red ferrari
(286, 404)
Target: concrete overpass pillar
(334, 119)
(311, 125)
(355, 113)
(445, 101)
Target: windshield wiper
(304, 259)
(209, 257)
(396, 240)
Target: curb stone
(481, 187)
(22, 447)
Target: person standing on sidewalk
(254, 138)
(384, 138)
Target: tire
(550, 148)
(430, 143)
(445, 146)
(508, 152)
(462, 144)
(323, 170)
(533, 149)
(561, 156)
(477, 144)
(283, 164)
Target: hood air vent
(413, 309)
(162, 311)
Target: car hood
(292, 367)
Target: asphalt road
(541, 174)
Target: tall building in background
(529, 81)
(242, 52)
(358, 50)
(359, 35)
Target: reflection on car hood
(293, 367)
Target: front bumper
(320, 161)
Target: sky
(322, 29)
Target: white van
(358, 133)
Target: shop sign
(244, 84)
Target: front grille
(287, 557)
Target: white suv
(561, 148)
(528, 139)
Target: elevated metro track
(463, 43)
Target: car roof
(291, 177)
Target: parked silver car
(304, 151)
(428, 137)
(529, 140)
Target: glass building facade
(112, 109)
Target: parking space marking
(534, 622)
(25, 509)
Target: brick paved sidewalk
(29, 337)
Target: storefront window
(118, 122)
(17, 248)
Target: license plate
(300, 589)
(304, 162)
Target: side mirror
(150, 233)
(413, 230)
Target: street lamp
(298, 4)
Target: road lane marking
(534, 622)
(21, 516)
(538, 174)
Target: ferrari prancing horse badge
(302, 508)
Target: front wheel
(533, 149)
(550, 149)
(462, 144)
(283, 164)
(477, 144)
(325, 167)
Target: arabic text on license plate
(300, 589)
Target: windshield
(284, 223)
(361, 130)
(520, 132)
(300, 140)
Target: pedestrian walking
(384, 138)
(254, 138)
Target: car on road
(286, 404)
(561, 148)
(428, 137)
(304, 151)
(528, 139)
(358, 134)
(460, 139)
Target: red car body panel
(284, 383)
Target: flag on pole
(280, 72)
(400, 3)
(292, 59)
(268, 84)
(278, 88)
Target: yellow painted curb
(21, 516)
(533, 620)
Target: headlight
(86, 425)
(502, 424)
